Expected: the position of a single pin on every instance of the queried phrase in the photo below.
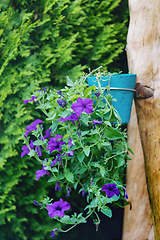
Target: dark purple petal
(53, 144)
(26, 150)
(58, 208)
(97, 95)
(68, 189)
(71, 153)
(53, 233)
(83, 105)
(48, 135)
(58, 187)
(70, 142)
(30, 100)
(96, 122)
(110, 190)
(33, 126)
(73, 117)
(38, 151)
(40, 173)
(125, 193)
(61, 102)
(37, 204)
(79, 134)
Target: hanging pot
(122, 87)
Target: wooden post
(137, 223)
(143, 53)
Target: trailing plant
(80, 147)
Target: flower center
(58, 208)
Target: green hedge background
(41, 42)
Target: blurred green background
(41, 42)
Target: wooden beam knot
(143, 92)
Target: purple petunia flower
(70, 142)
(58, 187)
(60, 93)
(53, 144)
(79, 134)
(68, 189)
(26, 150)
(37, 204)
(97, 95)
(96, 122)
(29, 100)
(73, 117)
(38, 151)
(33, 126)
(110, 190)
(53, 233)
(40, 173)
(58, 208)
(71, 153)
(83, 105)
(125, 192)
(48, 133)
(61, 102)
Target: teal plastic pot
(122, 87)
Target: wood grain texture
(143, 53)
(137, 223)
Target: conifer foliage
(41, 42)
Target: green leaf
(102, 171)
(120, 161)
(84, 119)
(84, 133)
(52, 179)
(74, 97)
(95, 164)
(81, 170)
(54, 169)
(107, 211)
(93, 204)
(93, 131)
(51, 118)
(69, 82)
(54, 126)
(112, 133)
(86, 150)
(69, 176)
(88, 90)
(38, 142)
(81, 157)
(112, 199)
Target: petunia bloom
(33, 126)
(58, 187)
(29, 100)
(48, 133)
(60, 93)
(73, 117)
(38, 151)
(53, 233)
(37, 203)
(110, 190)
(96, 122)
(26, 149)
(97, 95)
(125, 192)
(58, 208)
(61, 102)
(40, 173)
(53, 144)
(83, 105)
